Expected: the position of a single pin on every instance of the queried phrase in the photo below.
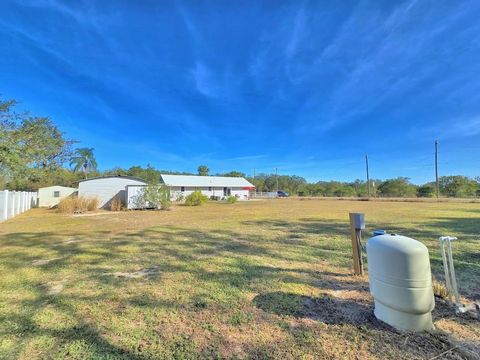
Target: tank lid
(398, 243)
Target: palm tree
(84, 160)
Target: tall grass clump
(93, 204)
(66, 206)
(77, 205)
(116, 204)
(196, 198)
(440, 290)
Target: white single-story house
(107, 188)
(51, 195)
(221, 186)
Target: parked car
(282, 194)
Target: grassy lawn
(260, 279)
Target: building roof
(57, 186)
(205, 181)
(114, 176)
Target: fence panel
(264, 195)
(13, 203)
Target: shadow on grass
(325, 308)
(189, 251)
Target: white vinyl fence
(263, 195)
(13, 203)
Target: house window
(56, 194)
(182, 189)
(227, 191)
(209, 188)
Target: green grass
(259, 279)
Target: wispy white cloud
(246, 157)
(206, 81)
(382, 57)
(448, 129)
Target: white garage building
(51, 195)
(106, 188)
(220, 186)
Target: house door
(227, 191)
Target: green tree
(268, 182)
(84, 161)
(426, 190)
(203, 170)
(458, 186)
(399, 187)
(149, 174)
(28, 143)
(234, 174)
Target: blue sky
(307, 87)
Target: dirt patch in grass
(142, 273)
(54, 287)
(41, 262)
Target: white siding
(107, 188)
(46, 196)
(210, 191)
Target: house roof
(57, 187)
(205, 181)
(114, 176)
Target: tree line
(35, 153)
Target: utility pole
(276, 178)
(436, 170)
(368, 175)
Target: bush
(426, 191)
(195, 199)
(116, 204)
(231, 200)
(77, 205)
(155, 196)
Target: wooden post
(437, 187)
(356, 246)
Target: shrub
(195, 199)
(116, 204)
(231, 199)
(154, 196)
(179, 197)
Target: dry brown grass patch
(77, 205)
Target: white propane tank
(401, 282)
